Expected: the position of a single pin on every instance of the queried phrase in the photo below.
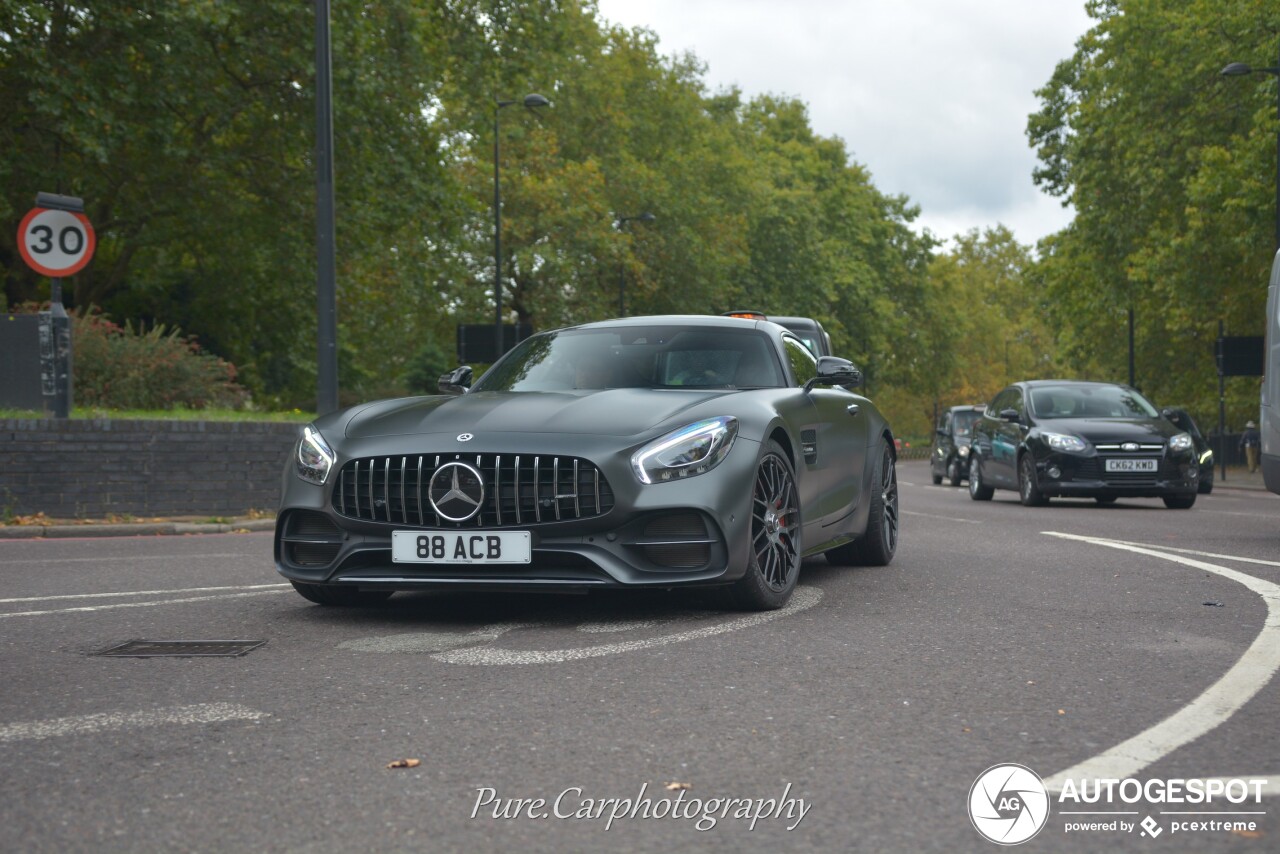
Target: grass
(293, 415)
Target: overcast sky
(931, 95)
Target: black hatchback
(1048, 438)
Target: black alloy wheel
(978, 491)
(775, 537)
(878, 545)
(1028, 490)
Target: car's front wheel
(978, 491)
(774, 562)
(953, 472)
(1179, 502)
(1028, 489)
(329, 594)
(877, 546)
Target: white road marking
(1205, 554)
(1215, 705)
(137, 604)
(803, 598)
(205, 713)
(935, 516)
(123, 558)
(138, 593)
(1250, 515)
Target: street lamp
(531, 100)
(1239, 69)
(622, 267)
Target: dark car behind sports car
(646, 452)
(1047, 438)
(950, 455)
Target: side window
(804, 366)
(1001, 402)
(1016, 404)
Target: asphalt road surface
(1085, 643)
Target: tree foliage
(1171, 170)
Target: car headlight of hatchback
(314, 458)
(692, 450)
(1180, 442)
(1064, 442)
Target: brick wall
(92, 468)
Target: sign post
(56, 240)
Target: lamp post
(531, 100)
(1239, 69)
(622, 267)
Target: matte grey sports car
(648, 452)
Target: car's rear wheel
(1028, 489)
(978, 491)
(1179, 502)
(877, 546)
(329, 594)
(953, 473)
(774, 562)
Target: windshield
(1090, 401)
(962, 422)
(637, 357)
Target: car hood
(613, 412)
(1113, 429)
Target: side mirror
(833, 370)
(1010, 415)
(457, 381)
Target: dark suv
(951, 441)
(808, 330)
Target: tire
(1028, 490)
(953, 473)
(877, 546)
(1105, 499)
(1179, 502)
(774, 552)
(329, 594)
(978, 491)
(937, 479)
(1206, 487)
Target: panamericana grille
(520, 489)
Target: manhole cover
(181, 649)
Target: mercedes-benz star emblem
(465, 437)
(457, 491)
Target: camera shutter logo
(1008, 804)
(457, 491)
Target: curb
(141, 529)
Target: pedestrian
(1250, 440)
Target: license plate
(460, 547)
(1131, 465)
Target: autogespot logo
(1008, 804)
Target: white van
(1269, 420)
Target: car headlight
(314, 457)
(1180, 442)
(1063, 442)
(692, 450)
(963, 450)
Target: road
(856, 719)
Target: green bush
(118, 367)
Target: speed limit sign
(56, 242)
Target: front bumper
(1068, 475)
(690, 532)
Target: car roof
(699, 320)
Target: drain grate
(181, 648)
